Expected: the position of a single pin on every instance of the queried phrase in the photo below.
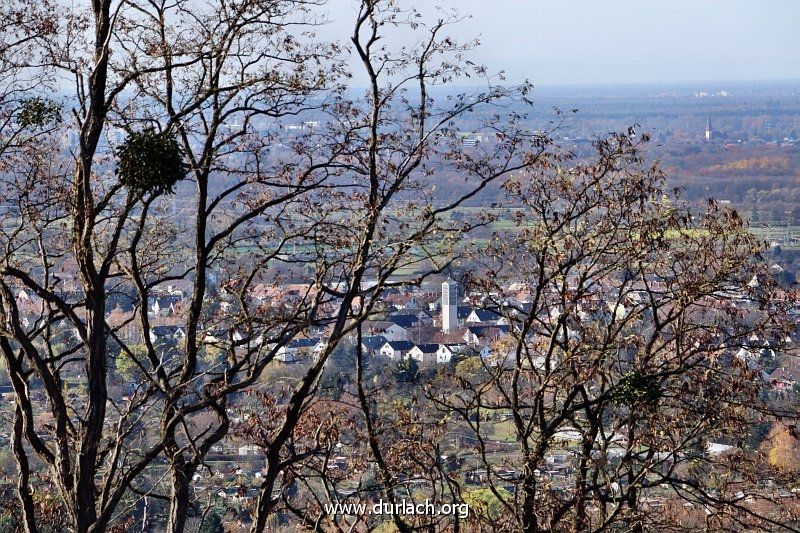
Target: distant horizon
(666, 83)
(743, 81)
(586, 88)
(695, 85)
(579, 42)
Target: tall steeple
(449, 305)
(708, 128)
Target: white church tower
(449, 305)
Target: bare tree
(184, 72)
(390, 216)
(179, 97)
(622, 365)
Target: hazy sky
(621, 41)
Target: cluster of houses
(433, 330)
(421, 326)
(431, 327)
(424, 326)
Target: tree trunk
(529, 522)
(179, 499)
(265, 502)
(23, 489)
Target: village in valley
(306, 265)
(415, 334)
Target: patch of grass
(504, 431)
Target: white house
(391, 331)
(167, 333)
(484, 316)
(477, 335)
(425, 353)
(239, 336)
(446, 352)
(395, 332)
(319, 348)
(396, 350)
(372, 345)
(403, 301)
(164, 305)
(295, 349)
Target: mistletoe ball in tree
(151, 162)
